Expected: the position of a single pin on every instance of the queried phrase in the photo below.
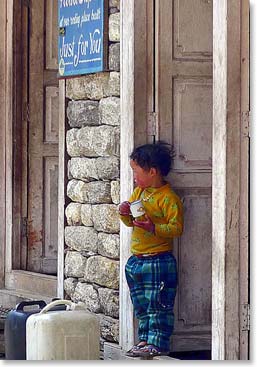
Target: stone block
(102, 271)
(114, 27)
(109, 245)
(72, 143)
(88, 169)
(114, 56)
(83, 169)
(74, 264)
(106, 218)
(114, 84)
(91, 86)
(109, 109)
(109, 328)
(70, 285)
(115, 192)
(114, 4)
(87, 294)
(109, 301)
(73, 214)
(81, 238)
(89, 193)
(83, 113)
(86, 215)
(101, 141)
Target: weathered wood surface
(183, 106)
(43, 139)
(230, 253)
(2, 138)
(61, 189)
(244, 182)
(126, 143)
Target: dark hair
(159, 155)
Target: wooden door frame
(229, 177)
(5, 75)
(14, 279)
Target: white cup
(136, 208)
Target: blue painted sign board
(82, 40)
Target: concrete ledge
(113, 351)
(10, 298)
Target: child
(151, 271)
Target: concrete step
(113, 351)
(10, 298)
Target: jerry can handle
(20, 306)
(58, 302)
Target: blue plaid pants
(152, 282)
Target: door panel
(183, 80)
(194, 308)
(192, 123)
(43, 138)
(191, 20)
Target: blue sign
(82, 39)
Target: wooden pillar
(61, 190)
(244, 176)
(126, 330)
(9, 137)
(227, 138)
(2, 136)
(6, 113)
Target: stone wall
(92, 231)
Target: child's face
(142, 177)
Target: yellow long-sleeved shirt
(165, 210)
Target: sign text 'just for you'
(84, 44)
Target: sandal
(151, 350)
(134, 350)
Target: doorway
(184, 74)
(32, 263)
(178, 110)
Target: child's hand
(124, 208)
(147, 224)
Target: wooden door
(183, 100)
(42, 138)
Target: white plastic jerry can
(71, 334)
